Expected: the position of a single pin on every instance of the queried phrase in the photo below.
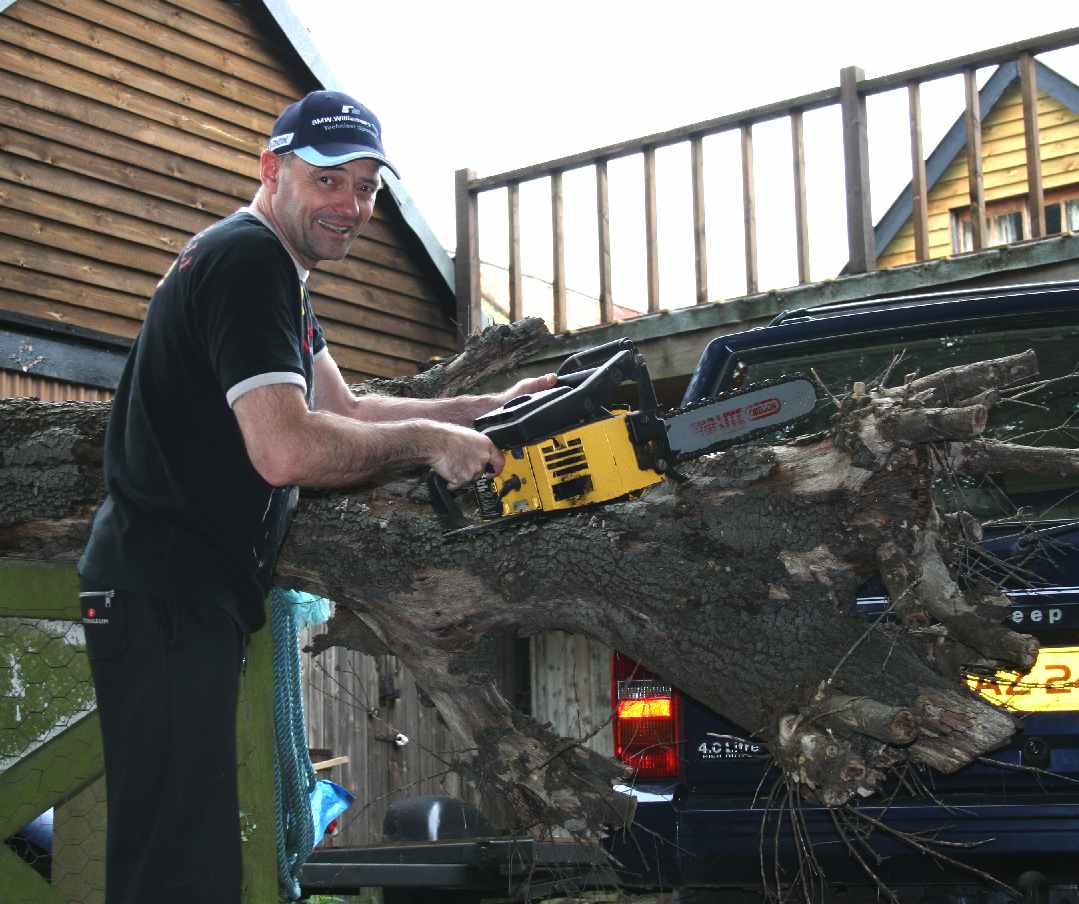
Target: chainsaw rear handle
(444, 501)
(590, 358)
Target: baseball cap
(328, 128)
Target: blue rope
(294, 776)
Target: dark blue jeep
(703, 824)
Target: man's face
(319, 210)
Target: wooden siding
(128, 125)
(571, 688)
(354, 705)
(1004, 170)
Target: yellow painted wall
(1005, 170)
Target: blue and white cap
(328, 128)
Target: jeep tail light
(647, 728)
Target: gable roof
(295, 40)
(298, 44)
(954, 142)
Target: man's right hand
(463, 455)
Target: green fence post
(254, 754)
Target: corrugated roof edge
(299, 38)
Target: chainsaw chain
(745, 438)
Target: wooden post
(919, 206)
(467, 259)
(1028, 81)
(801, 221)
(973, 122)
(860, 240)
(700, 244)
(749, 209)
(254, 755)
(603, 222)
(516, 302)
(558, 248)
(651, 252)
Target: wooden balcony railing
(850, 97)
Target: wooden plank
(124, 137)
(21, 882)
(58, 312)
(467, 259)
(801, 219)
(176, 222)
(347, 314)
(83, 242)
(60, 156)
(558, 253)
(1028, 81)
(956, 65)
(700, 237)
(632, 146)
(38, 590)
(860, 239)
(147, 120)
(369, 362)
(269, 87)
(73, 40)
(68, 66)
(749, 209)
(53, 772)
(101, 210)
(77, 268)
(390, 344)
(89, 216)
(919, 205)
(225, 13)
(254, 756)
(180, 19)
(779, 109)
(651, 238)
(57, 289)
(603, 228)
(514, 216)
(972, 120)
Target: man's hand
(527, 386)
(463, 455)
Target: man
(229, 400)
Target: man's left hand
(527, 386)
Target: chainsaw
(572, 446)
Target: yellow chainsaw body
(581, 466)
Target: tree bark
(738, 586)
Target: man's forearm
(462, 410)
(338, 451)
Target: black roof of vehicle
(879, 314)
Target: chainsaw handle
(444, 503)
(590, 358)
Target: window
(1049, 416)
(1008, 219)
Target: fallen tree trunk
(738, 586)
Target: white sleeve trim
(268, 379)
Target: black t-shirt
(186, 510)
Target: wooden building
(1004, 173)
(126, 126)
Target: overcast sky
(498, 85)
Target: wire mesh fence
(52, 796)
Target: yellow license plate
(1051, 686)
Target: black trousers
(166, 671)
